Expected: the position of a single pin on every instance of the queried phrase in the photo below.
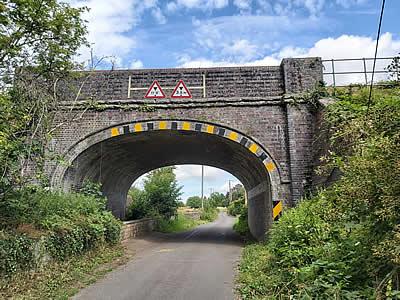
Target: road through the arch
(198, 264)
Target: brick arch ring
(178, 125)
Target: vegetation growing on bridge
(343, 243)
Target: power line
(376, 53)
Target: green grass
(61, 280)
(252, 277)
(180, 223)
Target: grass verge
(61, 280)
(180, 223)
(252, 276)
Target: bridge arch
(116, 156)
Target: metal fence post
(365, 72)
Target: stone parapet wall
(136, 228)
(292, 76)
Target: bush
(242, 225)
(344, 243)
(15, 253)
(236, 207)
(209, 214)
(69, 223)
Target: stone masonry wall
(252, 100)
(136, 228)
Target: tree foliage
(218, 199)
(194, 202)
(159, 197)
(38, 40)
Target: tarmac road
(197, 264)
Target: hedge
(59, 225)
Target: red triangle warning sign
(181, 91)
(155, 91)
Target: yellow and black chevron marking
(277, 210)
(251, 145)
(200, 127)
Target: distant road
(198, 264)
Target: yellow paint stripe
(114, 131)
(186, 126)
(233, 136)
(253, 148)
(277, 209)
(162, 125)
(138, 127)
(210, 129)
(270, 166)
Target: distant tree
(394, 68)
(194, 202)
(237, 191)
(218, 199)
(162, 191)
(181, 204)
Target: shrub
(70, 223)
(242, 225)
(236, 207)
(209, 214)
(344, 243)
(16, 253)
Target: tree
(162, 191)
(237, 191)
(394, 68)
(194, 202)
(139, 207)
(218, 199)
(38, 40)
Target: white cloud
(193, 172)
(158, 15)
(241, 49)
(225, 187)
(350, 46)
(136, 64)
(243, 5)
(196, 4)
(109, 23)
(345, 46)
(312, 7)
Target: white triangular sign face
(181, 91)
(155, 91)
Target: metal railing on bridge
(347, 71)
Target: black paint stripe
(263, 156)
(150, 126)
(275, 203)
(197, 127)
(126, 129)
(221, 131)
(174, 125)
(243, 141)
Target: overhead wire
(376, 54)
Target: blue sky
(202, 33)
(198, 33)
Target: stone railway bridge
(241, 119)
